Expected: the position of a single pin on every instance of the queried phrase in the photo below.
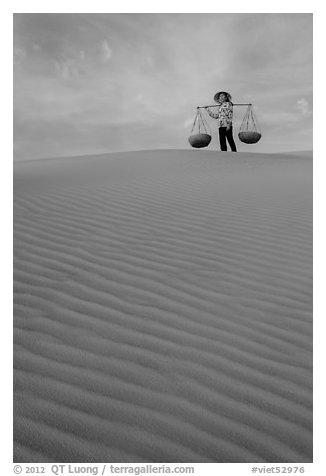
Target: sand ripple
(163, 308)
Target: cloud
(19, 55)
(105, 52)
(70, 67)
(303, 106)
(67, 68)
(188, 123)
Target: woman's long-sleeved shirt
(224, 114)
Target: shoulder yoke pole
(234, 104)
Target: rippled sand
(163, 308)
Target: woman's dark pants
(224, 134)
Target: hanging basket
(249, 133)
(199, 136)
(249, 137)
(199, 140)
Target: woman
(224, 118)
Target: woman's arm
(215, 116)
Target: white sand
(163, 308)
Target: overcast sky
(94, 83)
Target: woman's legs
(222, 135)
(229, 135)
(226, 134)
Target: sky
(88, 83)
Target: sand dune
(163, 308)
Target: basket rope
(249, 122)
(202, 124)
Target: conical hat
(222, 92)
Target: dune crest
(163, 308)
